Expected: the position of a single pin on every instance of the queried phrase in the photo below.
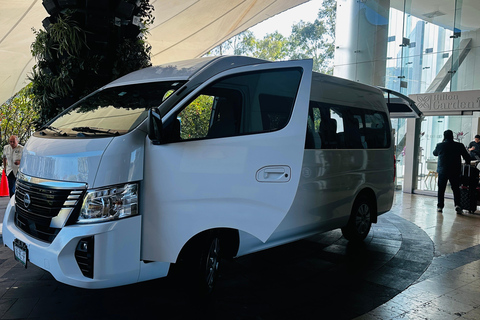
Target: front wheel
(210, 265)
(200, 264)
(360, 221)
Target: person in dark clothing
(449, 168)
(474, 148)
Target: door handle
(274, 174)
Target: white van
(190, 162)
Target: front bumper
(117, 246)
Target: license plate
(21, 252)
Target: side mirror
(154, 126)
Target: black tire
(200, 265)
(210, 261)
(360, 220)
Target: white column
(412, 140)
(361, 40)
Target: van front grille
(43, 207)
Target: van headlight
(109, 203)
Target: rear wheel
(360, 220)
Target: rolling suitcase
(469, 175)
(468, 188)
(468, 199)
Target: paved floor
(415, 264)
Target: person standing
(12, 154)
(449, 168)
(474, 148)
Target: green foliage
(75, 58)
(308, 40)
(195, 118)
(271, 47)
(328, 14)
(60, 53)
(17, 116)
(65, 36)
(131, 54)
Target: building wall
(382, 45)
(401, 45)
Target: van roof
(184, 70)
(208, 66)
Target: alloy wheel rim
(213, 262)
(363, 218)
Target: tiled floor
(415, 264)
(450, 287)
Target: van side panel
(340, 161)
(329, 184)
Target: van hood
(73, 160)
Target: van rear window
(339, 127)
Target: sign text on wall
(441, 103)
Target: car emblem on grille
(26, 200)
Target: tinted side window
(377, 132)
(242, 104)
(339, 127)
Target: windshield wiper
(56, 130)
(95, 130)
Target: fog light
(84, 254)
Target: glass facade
(425, 46)
(415, 56)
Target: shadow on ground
(323, 276)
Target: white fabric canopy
(183, 29)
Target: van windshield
(110, 112)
